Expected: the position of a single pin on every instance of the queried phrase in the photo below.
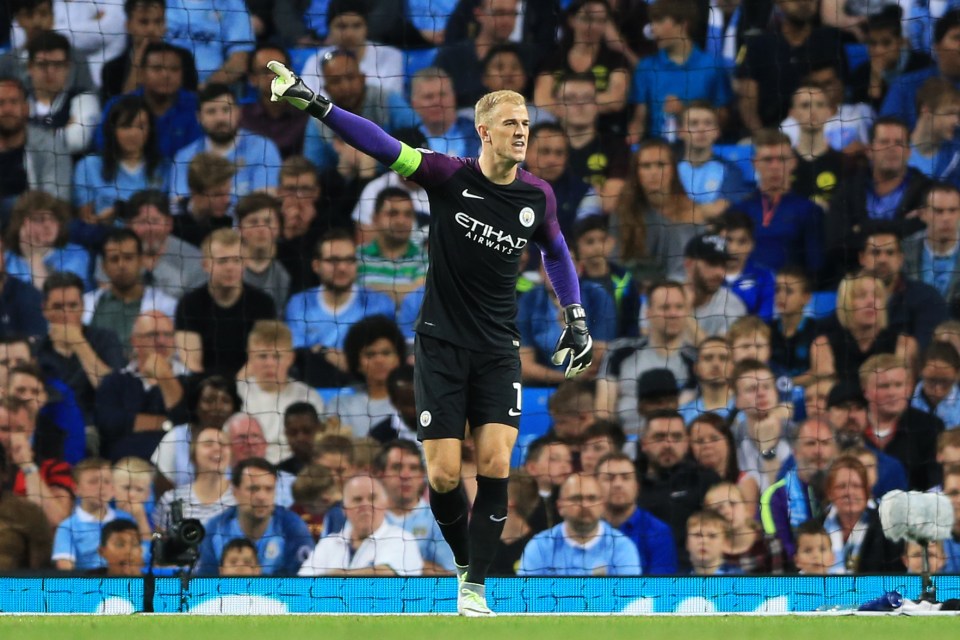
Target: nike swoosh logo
(466, 194)
(513, 413)
(492, 519)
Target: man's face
(16, 424)
(592, 450)
(548, 155)
(220, 118)
(35, 21)
(505, 71)
(774, 164)
(153, 334)
(434, 100)
(811, 108)
(241, 562)
(395, 221)
(882, 257)
(496, 18)
(162, 73)
(888, 392)
(246, 439)
(123, 554)
(705, 543)
(707, 276)
(554, 465)
(947, 53)
(713, 364)
(364, 504)
(225, 265)
(269, 363)
(849, 419)
(148, 22)
(301, 430)
(299, 195)
(14, 109)
(64, 306)
(699, 129)
(814, 554)
(938, 379)
(753, 346)
(946, 117)
(348, 31)
(578, 104)
(153, 228)
(665, 442)
(507, 131)
(756, 391)
(337, 266)
(889, 150)
(581, 503)
(256, 494)
(260, 76)
(815, 397)
(668, 313)
(942, 216)
(343, 81)
(403, 478)
(26, 387)
(48, 71)
(789, 296)
(814, 447)
(799, 10)
(259, 230)
(122, 264)
(618, 484)
(830, 83)
(12, 355)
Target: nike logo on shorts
(466, 194)
(513, 413)
(492, 519)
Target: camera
(179, 544)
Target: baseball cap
(845, 392)
(656, 383)
(710, 248)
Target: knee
(443, 478)
(493, 466)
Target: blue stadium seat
(327, 394)
(822, 304)
(857, 55)
(534, 422)
(742, 155)
(299, 57)
(416, 59)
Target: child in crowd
(133, 491)
(593, 248)
(711, 182)
(121, 549)
(753, 283)
(336, 453)
(814, 555)
(761, 424)
(746, 546)
(792, 331)
(912, 557)
(708, 535)
(239, 559)
(317, 499)
(600, 438)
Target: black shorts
(454, 385)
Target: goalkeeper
(484, 212)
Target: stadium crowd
(206, 296)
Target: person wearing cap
(715, 307)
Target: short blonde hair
(223, 236)
(849, 286)
(746, 326)
(270, 333)
(132, 465)
(483, 110)
(878, 364)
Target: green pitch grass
(502, 628)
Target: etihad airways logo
(483, 234)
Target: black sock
(486, 525)
(451, 511)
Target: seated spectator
(337, 454)
(209, 205)
(64, 113)
(505, 67)
(816, 390)
(951, 489)
(77, 540)
(917, 563)
(95, 31)
(239, 560)
(373, 348)
(165, 91)
(212, 320)
(318, 500)
(25, 536)
(592, 249)
(653, 537)
(218, 34)
(247, 441)
(583, 544)
(932, 256)
(133, 403)
(21, 303)
(948, 331)
(814, 555)
(120, 550)
(752, 282)
(263, 117)
(818, 166)
(749, 339)
(571, 411)
(258, 219)
(146, 24)
(347, 29)
(403, 424)
(848, 126)
(392, 263)
(712, 371)
(281, 537)
(433, 98)
(37, 243)
(713, 447)
(711, 182)
(680, 72)
(362, 212)
(133, 492)
(521, 498)
(79, 355)
(210, 493)
(600, 439)
(657, 391)
(368, 545)
(116, 306)
(319, 318)
(45, 482)
(937, 393)
(933, 150)
(867, 551)
(301, 426)
(549, 461)
(708, 537)
(32, 160)
(400, 469)
(792, 332)
(715, 307)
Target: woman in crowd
(210, 494)
(712, 447)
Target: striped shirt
(377, 271)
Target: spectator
(133, 492)
(549, 461)
(218, 33)
(31, 158)
(666, 345)
(368, 545)
(601, 438)
(239, 560)
(392, 263)
(672, 487)
(752, 282)
(653, 538)
(163, 89)
(318, 500)
(400, 469)
(266, 387)
(680, 72)
(867, 550)
(256, 158)
(212, 320)
(259, 221)
(26, 541)
(336, 453)
(320, 317)
(116, 306)
(788, 228)
(951, 546)
(95, 30)
(429, 18)
(592, 248)
(932, 256)
(712, 182)
(46, 482)
(749, 339)
(517, 532)
(210, 493)
(20, 301)
(937, 393)
(583, 544)
(504, 67)
(814, 554)
(948, 331)
(79, 355)
(792, 331)
(77, 539)
(209, 206)
(347, 29)
(918, 563)
(434, 101)
(571, 411)
(402, 425)
(134, 403)
(818, 165)
(272, 120)
(708, 536)
(933, 150)
(68, 115)
(848, 126)
(301, 426)
(37, 243)
(712, 371)
(281, 538)
(715, 307)
(146, 24)
(713, 447)
(120, 550)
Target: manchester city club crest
(527, 216)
